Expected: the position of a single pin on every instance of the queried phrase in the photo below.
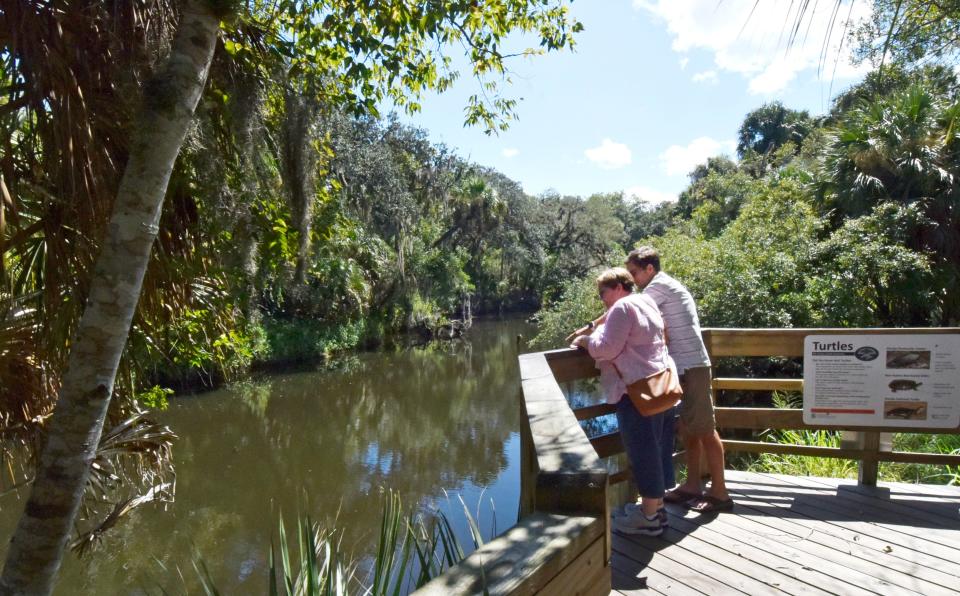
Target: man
(697, 421)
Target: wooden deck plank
(827, 562)
(753, 560)
(801, 536)
(939, 513)
(944, 491)
(824, 572)
(902, 560)
(763, 566)
(693, 578)
(906, 520)
(894, 570)
(894, 539)
(826, 511)
(935, 508)
(801, 574)
(631, 577)
(726, 571)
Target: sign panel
(882, 380)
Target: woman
(630, 346)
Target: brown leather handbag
(654, 394)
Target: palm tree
(77, 166)
(76, 425)
(903, 148)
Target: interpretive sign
(882, 380)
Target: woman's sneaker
(635, 509)
(638, 523)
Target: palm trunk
(38, 543)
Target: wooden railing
(561, 544)
(562, 540)
(868, 445)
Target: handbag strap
(614, 365)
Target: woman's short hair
(618, 276)
(643, 256)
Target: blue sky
(653, 88)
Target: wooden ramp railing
(865, 444)
(562, 542)
(561, 545)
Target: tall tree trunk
(38, 543)
(299, 162)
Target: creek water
(435, 423)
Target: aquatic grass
(412, 549)
(206, 580)
(472, 521)
(393, 547)
(923, 473)
(317, 567)
(801, 465)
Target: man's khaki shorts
(696, 409)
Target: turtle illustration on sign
(908, 358)
(905, 413)
(903, 385)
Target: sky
(652, 89)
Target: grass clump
(412, 549)
(802, 465)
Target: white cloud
(751, 38)
(707, 76)
(678, 160)
(648, 195)
(610, 155)
(683, 63)
(510, 152)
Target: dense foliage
(295, 221)
(854, 226)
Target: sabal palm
(898, 148)
(903, 148)
(68, 103)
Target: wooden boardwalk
(802, 535)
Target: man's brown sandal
(711, 504)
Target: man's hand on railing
(580, 342)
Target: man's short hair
(643, 256)
(618, 276)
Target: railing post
(869, 442)
(528, 464)
(868, 467)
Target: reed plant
(411, 550)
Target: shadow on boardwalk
(802, 536)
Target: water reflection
(587, 392)
(431, 422)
